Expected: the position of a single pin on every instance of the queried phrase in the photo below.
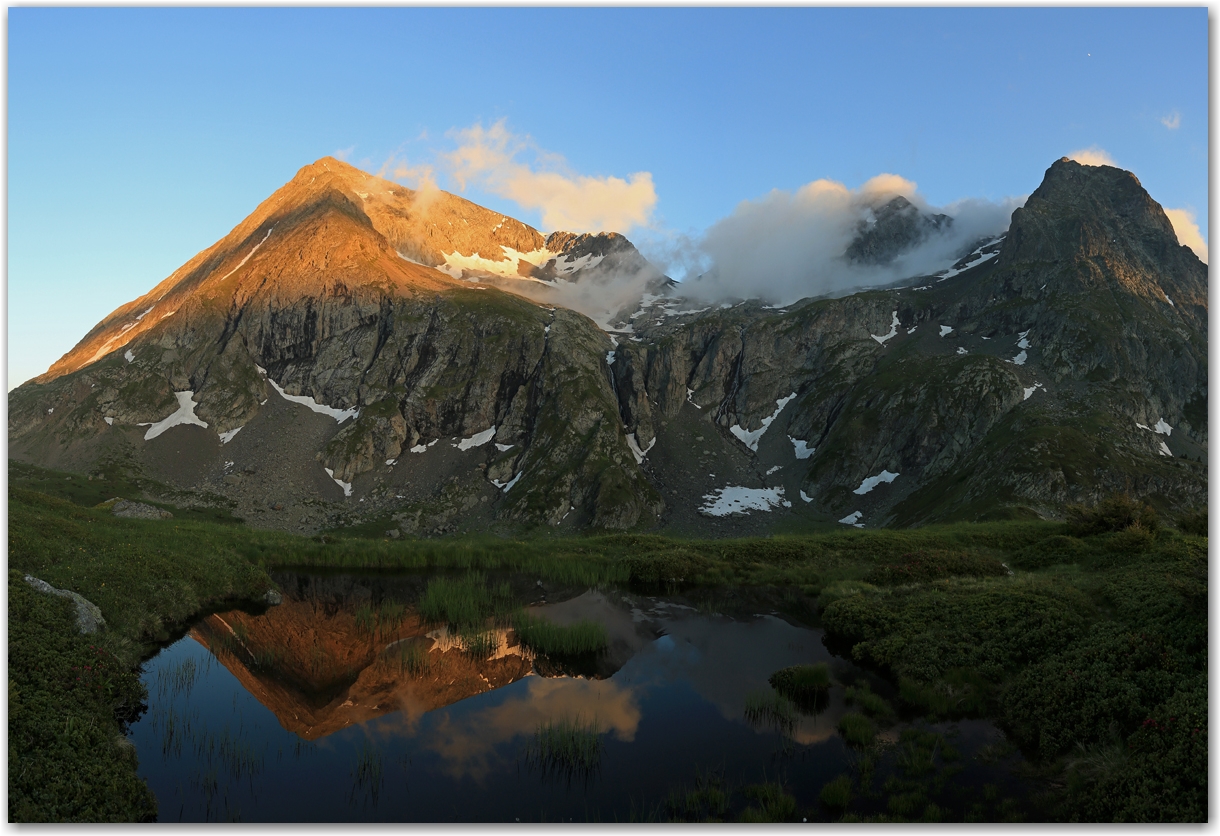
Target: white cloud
(790, 245)
(1187, 230)
(1093, 155)
(1172, 121)
(491, 158)
(344, 153)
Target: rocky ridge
(1061, 362)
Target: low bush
(1193, 523)
(1115, 513)
(770, 804)
(932, 564)
(1049, 552)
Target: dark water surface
(317, 711)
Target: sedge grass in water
(771, 709)
(467, 601)
(807, 686)
(565, 747)
(544, 636)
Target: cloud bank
(1187, 230)
(512, 166)
(790, 245)
(1093, 155)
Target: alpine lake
(486, 697)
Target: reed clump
(546, 637)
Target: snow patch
(391, 462)
(734, 499)
(347, 486)
(506, 486)
(945, 330)
(801, 448)
(1033, 389)
(805, 497)
(339, 415)
(750, 439)
(423, 448)
(873, 481)
(772, 470)
(1167, 299)
(853, 519)
(911, 330)
(1142, 427)
(225, 438)
(1162, 428)
(1020, 359)
(128, 356)
(184, 414)
(893, 332)
(477, 440)
(609, 358)
(961, 350)
(242, 263)
(503, 448)
(1023, 342)
(635, 448)
(507, 266)
(1164, 450)
(109, 420)
(690, 398)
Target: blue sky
(137, 137)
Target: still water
(342, 704)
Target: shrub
(1115, 513)
(1194, 523)
(665, 567)
(1049, 552)
(931, 564)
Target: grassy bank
(1091, 650)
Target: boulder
(88, 616)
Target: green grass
(544, 636)
(769, 709)
(836, 794)
(857, 729)
(805, 685)
(568, 746)
(1093, 636)
(465, 602)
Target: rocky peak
(895, 226)
(1101, 220)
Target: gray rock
(139, 511)
(88, 616)
(273, 597)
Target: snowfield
(184, 414)
(873, 481)
(733, 499)
(339, 415)
(750, 439)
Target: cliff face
(1064, 362)
(312, 297)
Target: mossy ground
(1092, 654)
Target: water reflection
(342, 703)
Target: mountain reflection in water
(378, 714)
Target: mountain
(362, 353)
(893, 228)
